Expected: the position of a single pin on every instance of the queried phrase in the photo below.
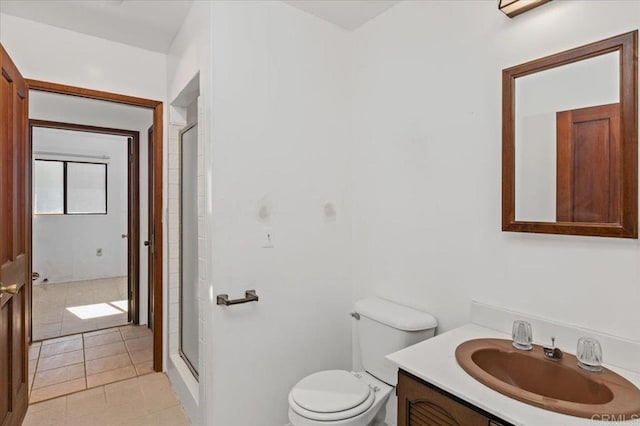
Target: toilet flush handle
(355, 315)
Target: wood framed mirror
(570, 141)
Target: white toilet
(343, 398)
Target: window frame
(65, 210)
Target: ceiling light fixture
(513, 8)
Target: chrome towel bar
(249, 296)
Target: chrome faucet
(552, 353)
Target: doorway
(86, 221)
(156, 176)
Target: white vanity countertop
(434, 361)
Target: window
(68, 187)
(48, 186)
(86, 188)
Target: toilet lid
(330, 391)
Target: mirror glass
(567, 143)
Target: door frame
(157, 258)
(133, 201)
(150, 292)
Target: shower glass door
(189, 248)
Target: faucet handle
(522, 336)
(589, 354)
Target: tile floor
(73, 363)
(145, 400)
(76, 307)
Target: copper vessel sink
(559, 386)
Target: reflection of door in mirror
(570, 141)
(588, 165)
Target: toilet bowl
(338, 398)
(343, 398)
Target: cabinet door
(420, 405)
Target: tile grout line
(135, 370)
(82, 337)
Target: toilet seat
(331, 396)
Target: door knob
(147, 243)
(12, 289)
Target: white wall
(280, 154)
(64, 246)
(427, 168)
(70, 109)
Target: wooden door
(15, 240)
(150, 239)
(589, 165)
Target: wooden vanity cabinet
(422, 404)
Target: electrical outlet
(99, 252)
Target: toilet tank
(385, 327)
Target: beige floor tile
(156, 380)
(172, 416)
(77, 298)
(31, 377)
(56, 404)
(146, 420)
(144, 368)
(34, 352)
(111, 376)
(139, 401)
(44, 418)
(90, 419)
(90, 401)
(32, 366)
(58, 375)
(35, 344)
(106, 293)
(124, 391)
(102, 339)
(105, 350)
(74, 327)
(126, 410)
(99, 332)
(157, 392)
(61, 339)
(51, 317)
(139, 357)
(139, 344)
(65, 388)
(47, 314)
(57, 361)
(113, 320)
(108, 363)
(135, 331)
(46, 331)
(61, 347)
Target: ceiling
(153, 24)
(348, 14)
(149, 24)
